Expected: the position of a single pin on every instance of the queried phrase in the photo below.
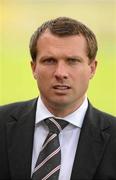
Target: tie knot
(55, 125)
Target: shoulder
(102, 119)
(97, 113)
(99, 118)
(104, 115)
(17, 107)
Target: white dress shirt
(68, 137)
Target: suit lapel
(20, 129)
(92, 143)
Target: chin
(60, 104)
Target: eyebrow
(46, 57)
(75, 57)
(66, 57)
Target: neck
(63, 110)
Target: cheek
(86, 73)
(38, 73)
(42, 78)
(82, 76)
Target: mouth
(61, 87)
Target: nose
(61, 71)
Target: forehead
(73, 43)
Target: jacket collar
(92, 142)
(20, 131)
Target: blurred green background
(18, 20)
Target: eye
(49, 61)
(72, 60)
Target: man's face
(62, 70)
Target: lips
(61, 87)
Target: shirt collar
(76, 118)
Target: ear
(33, 67)
(93, 66)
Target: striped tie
(49, 160)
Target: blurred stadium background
(18, 20)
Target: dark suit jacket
(96, 152)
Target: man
(63, 53)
